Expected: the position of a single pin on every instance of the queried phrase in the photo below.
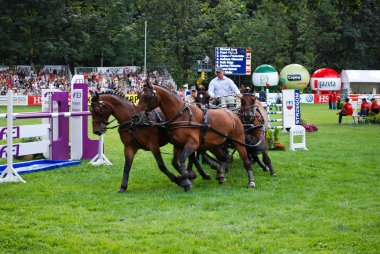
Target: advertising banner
(134, 98)
(21, 100)
(34, 100)
(289, 110)
(307, 98)
(321, 98)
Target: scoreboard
(234, 61)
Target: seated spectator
(191, 98)
(346, 111)
(364, 107)
(374, 106)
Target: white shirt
(222, 87)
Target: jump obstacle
(288, 114)
(56, 148)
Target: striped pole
(46, 115)
(10, 174)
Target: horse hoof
(266, 169)
(187, 188)
(121, 190)
(221, 179)
(273, 175)
(186, 184)
(251, 185)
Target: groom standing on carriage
(221, 88)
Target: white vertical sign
(76, 125)
(288, 107)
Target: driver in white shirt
(223, 88)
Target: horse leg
(256, 158)
(220, 155)
(157, 155)
(195, 161)
(192, 174)
(129, 154)
(268, 162)
(188, 150)
(178, 163)
(243, 154)
(211, 162)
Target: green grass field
(325, 200)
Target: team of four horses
(162, 117)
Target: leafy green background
(339, 34)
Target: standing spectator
(334, 99)
(364, 107)
(191, 98)
(374, 106)
(346, 111)
(330, 100)
(262, 95)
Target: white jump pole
(100, 158)
(10, 174)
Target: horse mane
(170, 90)
(118, 94)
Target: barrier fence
(56, 148)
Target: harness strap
(158, 117)
(204, 128)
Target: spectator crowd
(26, 81)
(31, 82)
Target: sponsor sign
(21, 100)
(294, 77)
(34, 100)
(326, 84)
(321, 98)
(134, 98)
(234, 61)
(297, 105)
(291, 107)
(307, 98)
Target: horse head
(247, 108)
(100, 113)
(148, 101)
(203, 99)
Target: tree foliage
(341, 34)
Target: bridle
(150, 102)
(102, 116)
(247, 112)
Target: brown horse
(134, 136)
(191, 129)
(254, 118)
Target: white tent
(361, 81)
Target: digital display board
(234, 61)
